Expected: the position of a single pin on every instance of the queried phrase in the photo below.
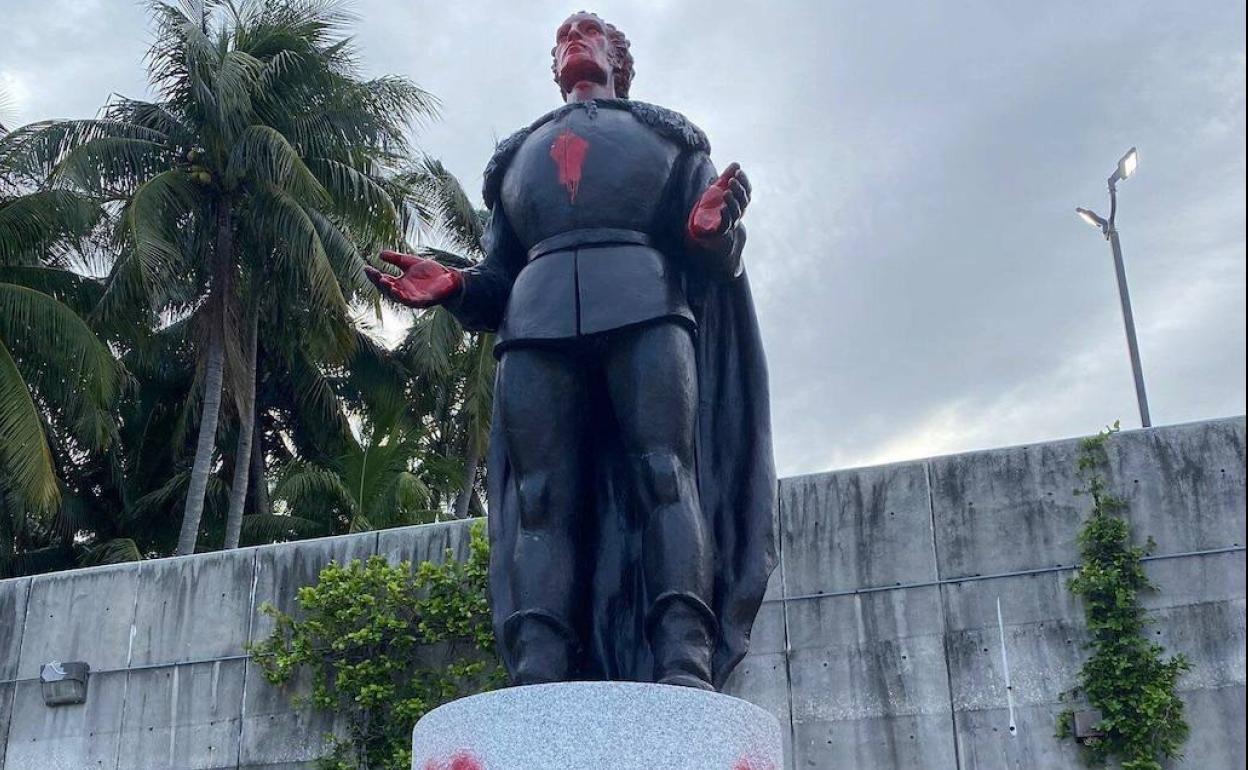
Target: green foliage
(384, 644)
(119, 292)
(1128, 678)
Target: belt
(589, 236)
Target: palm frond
(431, 342)
(119, 550)
(32, 224)
(24, 453)
(48, 331)
(308, 482)
(262, 155)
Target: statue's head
(588, 48)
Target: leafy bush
(384, 644)
(1127, 678)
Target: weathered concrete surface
(193, 609)
(185, 716)
(878, 645)
(80, 615)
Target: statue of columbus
(631, 481)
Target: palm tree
(458, 367)
(251, 176)
(58, 380)
(371, 486)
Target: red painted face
(582, 51)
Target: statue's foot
(682, 636)
(542, 647)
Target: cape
(735, 467)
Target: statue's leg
(542, 404)
(652, 381)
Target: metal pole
(1128, 320)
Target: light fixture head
(1089, 216)
(1126, 166)
(64, 684)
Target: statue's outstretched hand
(720, 207)
(424, 282)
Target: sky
(922, 282)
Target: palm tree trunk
(246, 425)
(214, 373)
(260, 501)
(204, 446)
(470, 476)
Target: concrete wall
(880, 644)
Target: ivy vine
(1127, 678)
(384, 644)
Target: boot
(682, 632)
(542, 647)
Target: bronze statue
(631, 482)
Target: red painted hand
(721, 206)
(424, 283)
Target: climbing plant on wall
(384, 644)
(1128, 678)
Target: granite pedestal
(597, 726)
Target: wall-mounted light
(64, 684)
(1088, 726)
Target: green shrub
(383, 645)
(1127, 678)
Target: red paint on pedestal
(463, 760)
(753, 763)
(568, 151)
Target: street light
(1126, 167)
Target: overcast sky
(923, 283)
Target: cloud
(922, 281)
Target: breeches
(556, 403)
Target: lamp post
(1126, 166)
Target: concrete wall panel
(281, 570)
(13, 596)
(1184, 484)
(275, 732)
(914, 742)
(986, 743)
(427, 543)
(1213, 577)
(6, 709)
(1006, 510)
(860, 620)
(80, 615)
(857, 529)
(185, 717)
(193, 608)
(868, 680)
(82, 737)
(1217, 739)
(768, 634)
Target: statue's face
(582, 51)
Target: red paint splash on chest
(569, 151)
